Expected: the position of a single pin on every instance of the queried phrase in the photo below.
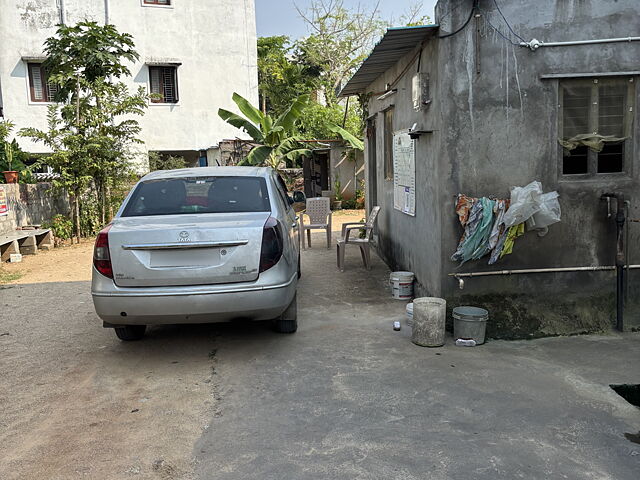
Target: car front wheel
(130, 333)
(288, 321)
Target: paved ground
(344, 398)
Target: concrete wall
(215, 42)
(348, 169)
(406, 242)
(499, 128)
(31, 205)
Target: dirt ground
(72, 263)
(78, 403)
(346, 397)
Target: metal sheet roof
(395, 43)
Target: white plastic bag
(525, 201)
(548, 214)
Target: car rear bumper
(198, 304)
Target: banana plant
(276, 139)
(353, 141)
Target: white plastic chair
(363, 243)
(319, 212)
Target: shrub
(349, 204)
(160, 161)
(61, 226)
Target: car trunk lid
(197, 249)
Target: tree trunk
(109, 206)
(77, 215)
(78, 102)
(346, 112)
(103, 206)
(100, 196)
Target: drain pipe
(598, 268)
(620, 257)
(535, 44)
(61, 12)
(627, 257)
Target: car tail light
(101, 257)
(272, 244)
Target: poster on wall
(404, 173)
(4, 206)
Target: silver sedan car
(199, 245)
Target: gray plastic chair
(319, 212)
(363, 243)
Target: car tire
(130, 333)
(288, 321)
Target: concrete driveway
(344, 398)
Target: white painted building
(196, 53)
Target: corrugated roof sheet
(395, 43)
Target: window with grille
(596, 125)
(164, 84)
(157, 2)
(40, 88)
(388, 144)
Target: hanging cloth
(513, 233)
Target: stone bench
(26, 242)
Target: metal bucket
(470, 322)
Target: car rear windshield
(175, 196)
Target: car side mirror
(299, 196)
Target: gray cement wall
(499, 128)
(406, 242)
(31, 205)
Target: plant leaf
(242, 123)
(293, 155)
(291, 114)
(258, 155)
(352, 140)
(248, 110)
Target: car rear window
(175, 196)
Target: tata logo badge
(183, 236)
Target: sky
(279, 17)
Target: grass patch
(6, 277)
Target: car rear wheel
(130, 333)
(288, 321)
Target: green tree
(92, 128)
(278, 143)
(316, 120)
(85, 53)
(281, 76)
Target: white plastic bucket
(401, 285)
(409, 314)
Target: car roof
(210, 172)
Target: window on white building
(164, 84)
(157, 2)
(40, 89)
